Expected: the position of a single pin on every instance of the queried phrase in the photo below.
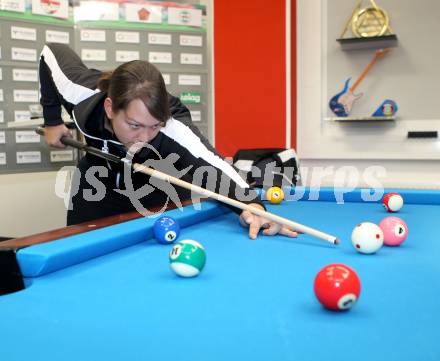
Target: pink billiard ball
(337, 287)
(394, 231)
(392, 202)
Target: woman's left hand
(255, 223)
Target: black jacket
(179, 148)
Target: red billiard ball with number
(337, 287)
(392, 202)
(394, 231)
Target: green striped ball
(187, 258)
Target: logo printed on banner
(24, 54)
(189, 58)
(13, 5)
(162, 39)
(160, 57)
(28, 157)
(25, 96)
(25, 75)
(22, 115)
(54, 8)
(61, 156)
(124, 56)
(190, 98)
(191, 40)
(93, 54)
(50, 6)
(21, 33)
(188, 17)
(53, 36)
(186, 79)
(185, 17)
(143, 13)
(129, 37)
(96, 10)
(93, 35)
(26, 136)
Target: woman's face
(134, 124)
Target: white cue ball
(367, 237)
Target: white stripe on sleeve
(71, 92)
(183, 135)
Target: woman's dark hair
(137, 79)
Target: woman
(128, 113)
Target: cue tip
(337, 241)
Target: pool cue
(202, 191)
(32, 123)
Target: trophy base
(374, 42)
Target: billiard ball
(337, 287)
(187, 258)
(394, 231)
(367, 237)
(392, 202)
(275, 195)
(166, 230)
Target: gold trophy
(368, 22)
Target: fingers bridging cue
(242, 222)
(254, 228)
(288, 232)
(272, 230)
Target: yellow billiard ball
(275, 195)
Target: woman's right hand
(53, 135)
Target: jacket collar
(89, 117)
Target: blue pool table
(109, 294)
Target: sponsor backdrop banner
(104, 34)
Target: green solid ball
(187, 258)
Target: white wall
(407, 163)
(29, 204)
(354, 173)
